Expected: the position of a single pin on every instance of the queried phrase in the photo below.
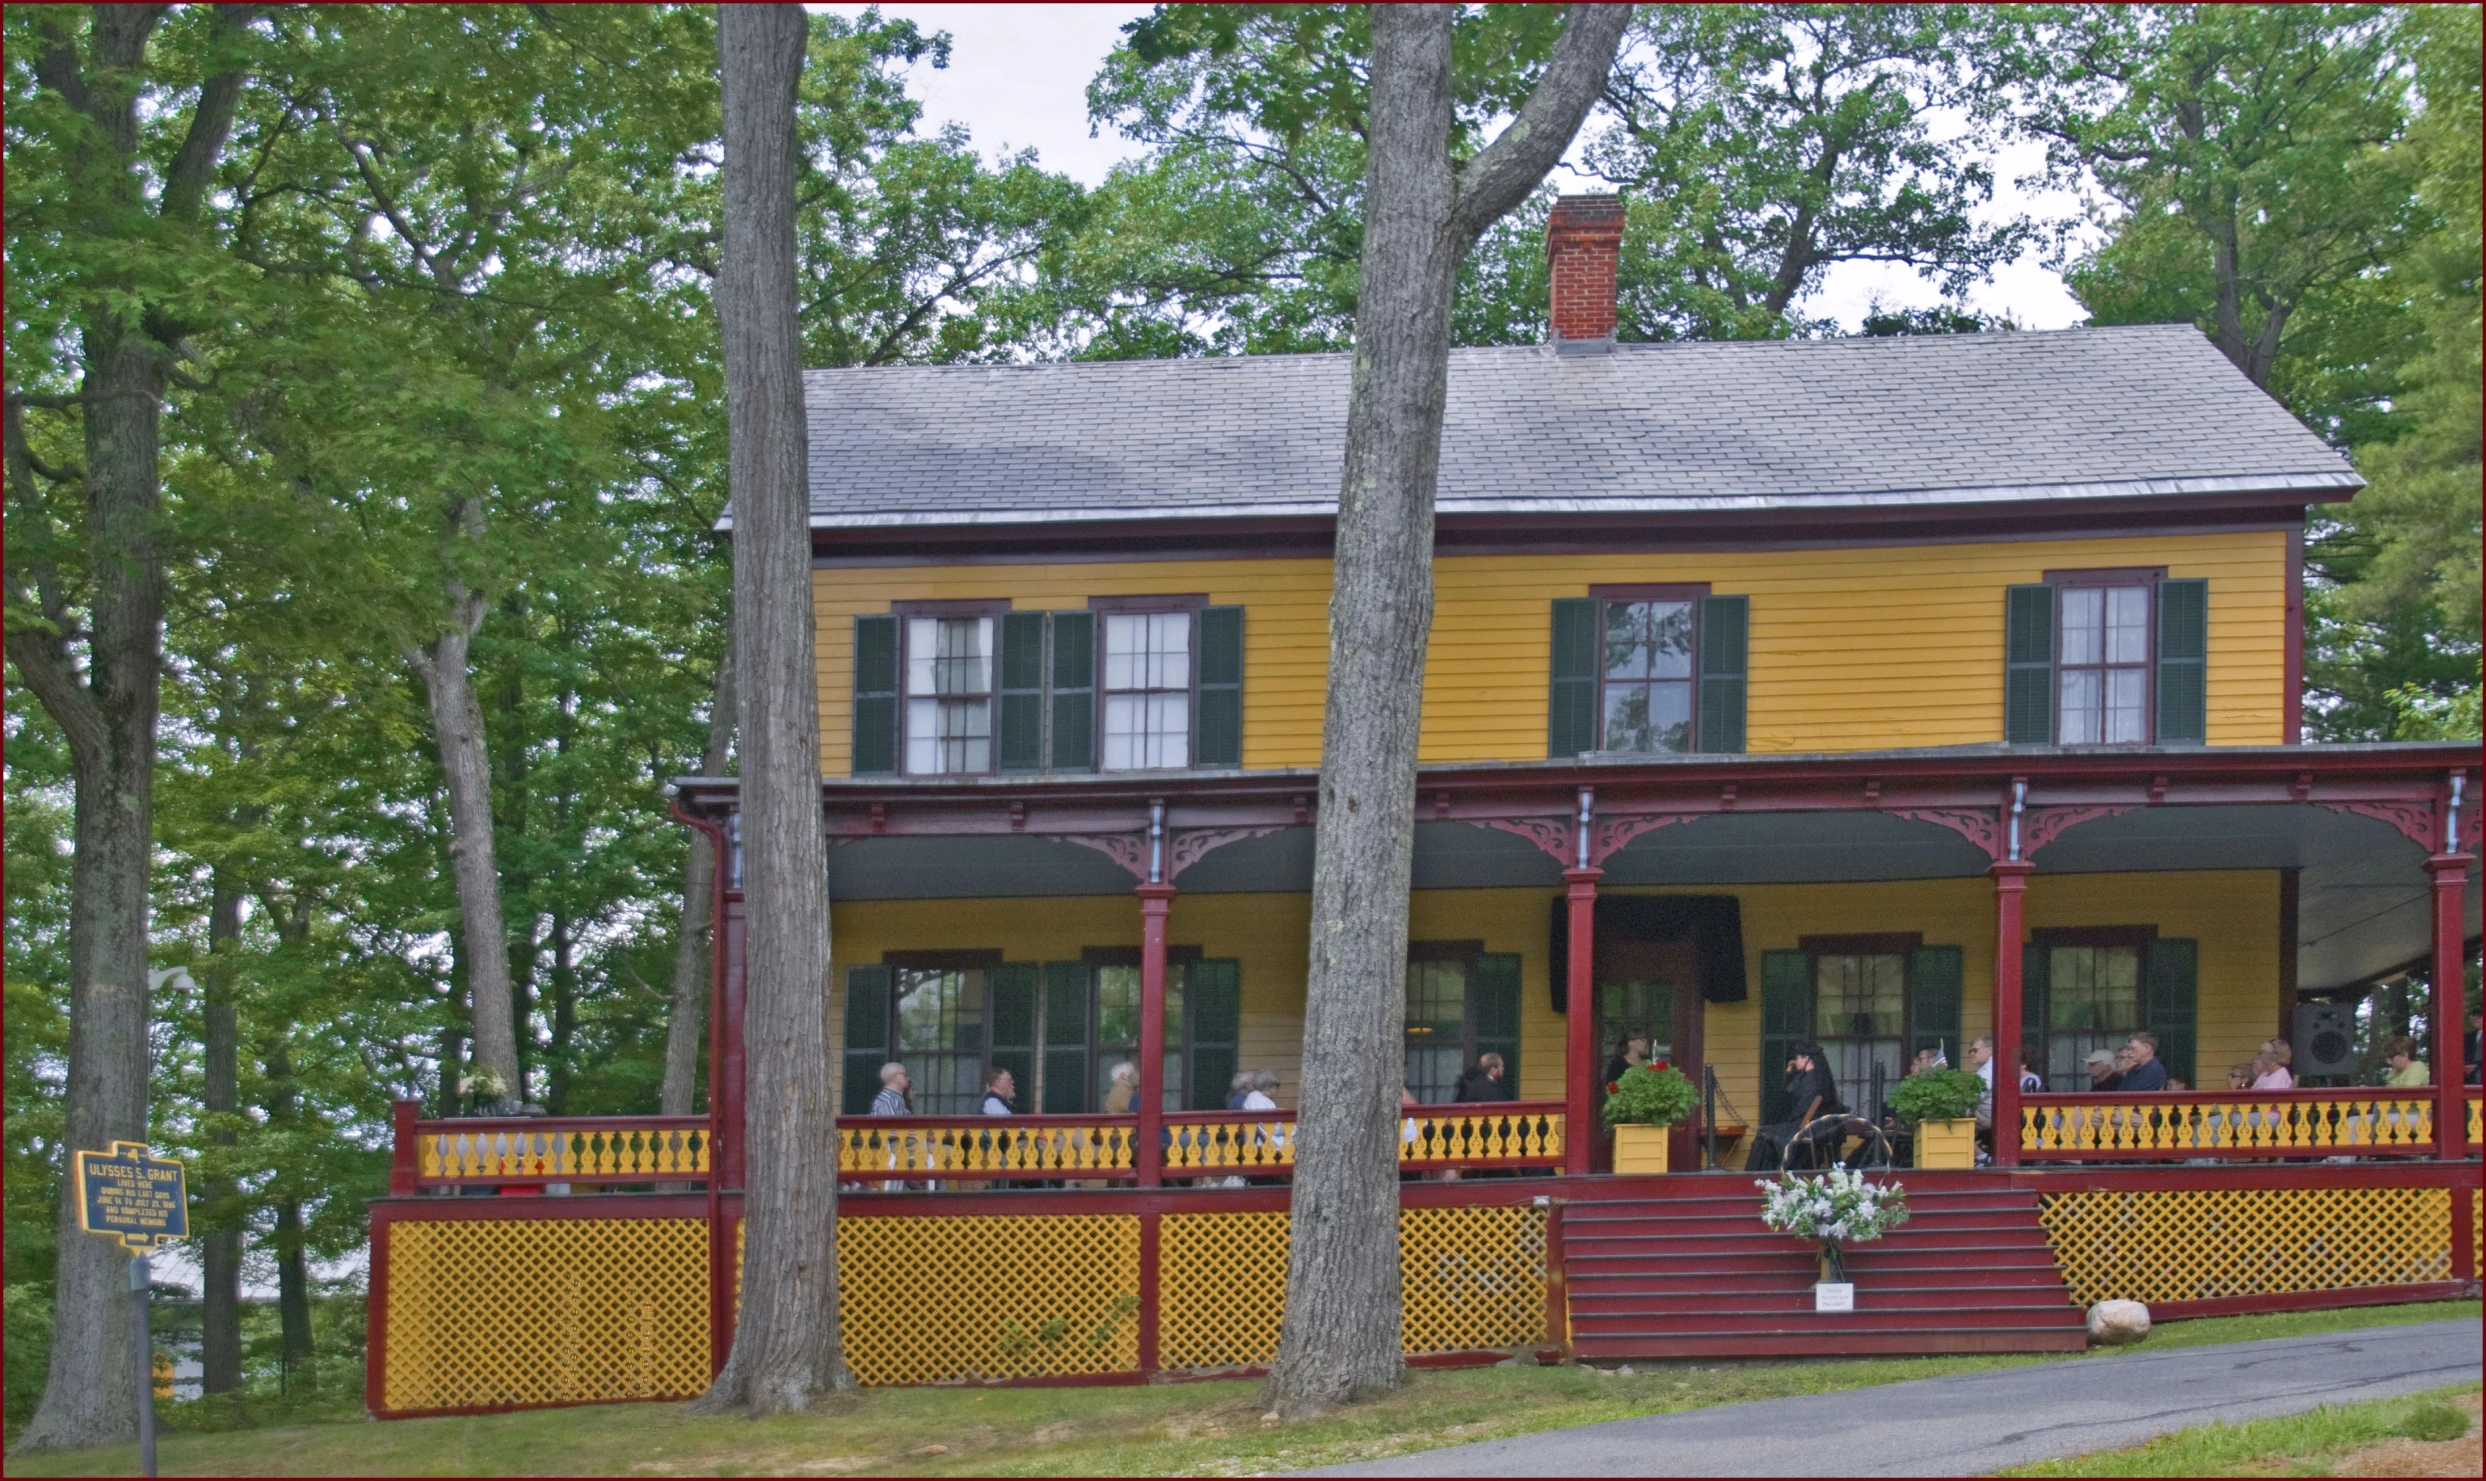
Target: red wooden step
(1878, 1299)
(1853, 1342)
(1696, 1262)
(1664, 1294)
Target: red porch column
(2449, 1011)
(1580, 1066)
(2010, 885)
(1154, 901)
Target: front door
(1651, 990)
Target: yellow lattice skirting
(1471, 1278)
(2209, 1245)
(494, 1313)
(932, 1300)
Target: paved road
(1976, 1423)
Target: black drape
(1715, 924)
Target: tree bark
(220, 1253)
(785, 1355)
(108, 712)
(1340, 1338)
(457, 732)
(691, 959)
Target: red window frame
(2147, 577)
(1141, 606)
(988, 607)
(1692, 592)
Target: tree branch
(211, 123)
(1502, 174)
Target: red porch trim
(2325, 1300)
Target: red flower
(1661, 1066)
(1613, 1087)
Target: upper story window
(1147, 690)
(973, 688)
(1648, 669)
(2111, 657)
(949, 695)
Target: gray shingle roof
(1940, 419)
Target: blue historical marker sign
(128, 1196)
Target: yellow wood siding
(1856, 648)
(2233, 915)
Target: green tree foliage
(2301, 181)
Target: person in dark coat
(1811, 1093)
(1484, 1082)
(1632, 1051)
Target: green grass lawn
(2298, 1444)
(1210, 1429)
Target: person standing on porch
(1632, 1051)
(1125, 1089)
(2271, 1067)
(894, 1085)
(999, 1089)
(2104, 1073)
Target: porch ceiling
(2362, 898)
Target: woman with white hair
(1125, 1089)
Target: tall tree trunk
(512, 801)
(564, 1018)
(690, 948)
(1340, 1338)
(785, 1353)
(220, 1253)
(293, 1294)
(457, 730)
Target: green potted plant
(1941, 1105)
(1641, 1106)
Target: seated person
(2408, 1072)
(1811, 1094)
(2146, 1071)
(2103, 1072)
(1484, 1082)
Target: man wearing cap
(2102, 1072)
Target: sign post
(140, 1203)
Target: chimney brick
(1582, 242)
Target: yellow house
(1788, 704)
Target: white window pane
(2084, 615)
(923, 646)
(2077, 719)
(973, 641)
(1670, 637)
(1126, 638)
(1169, 650)
(1169, 729)
(2127, 624)
(2125, 706)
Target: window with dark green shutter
(1786, 1021)
(867, 1036)
(876, 696)
(2028, 665)
(1648, 669)
(2174, 989)
(1724, 641)
(1212, 1024)
(1934, 1003)
(1068, 1027)
(1495, 988)
(1221, 688)
(1013, 1044)
(2183, 662)
(1571, 707)
(1022, 691)
(1073, 691)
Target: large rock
(2118, 1323)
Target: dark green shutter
(1022, 691)
(1213, 1013)
(867, 1036)
(2183, 663)
(1933, 1003)
(1074, 691)
(1012, 1046)
(1067, 1081)
(2036, 1002)
(1725, 627)
(1493, 993)
(2173, 981)
(1571, 706)
(1786, 1021)
(1220, 741)
(876, 696)
(2028, 665)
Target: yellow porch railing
(531, 1149)
(922, 1147)
(2289, 1124)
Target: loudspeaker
(2326, 1039)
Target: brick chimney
(1582, 242)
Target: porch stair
(1697, 1276)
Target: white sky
(1018, 78)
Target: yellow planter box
(1947, 1143)
(1640, 1149)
